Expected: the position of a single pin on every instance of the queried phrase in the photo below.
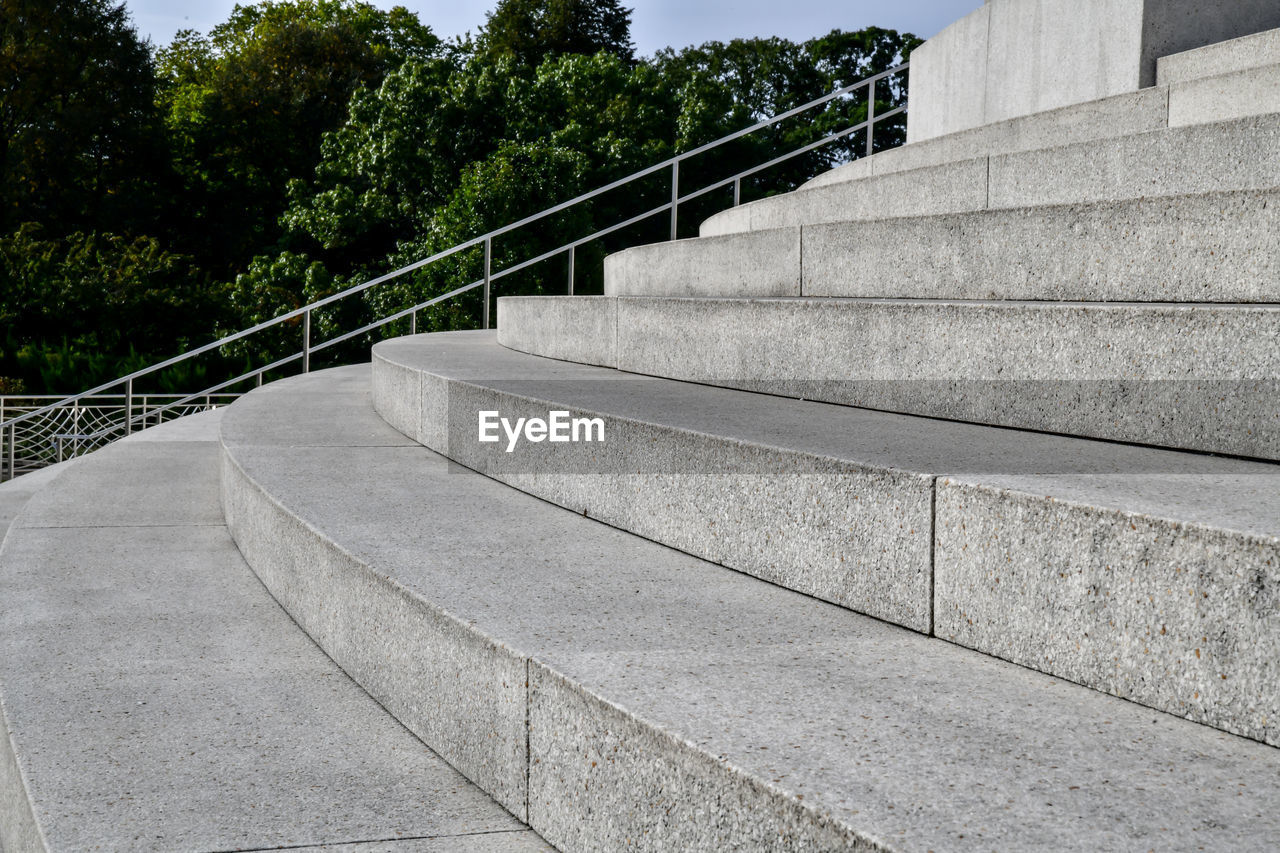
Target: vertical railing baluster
(675, 195)
(871, 116)
(413, 322)
(128, 407)
(737, 191)
(306, 342)
(572, 248)
(488, 259)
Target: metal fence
(66, 427)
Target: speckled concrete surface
(1199, 377)
(593, 320)
(680, 672)
(1227, 96)
(158, 699)
(1221, 58)
(838, 503)
(1218, 247)
(761, 263)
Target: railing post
(259, 378)
(306, 342)
(128, 407)
(675, 195)
(871, 116)
(413, 323)
(488, 258)
(13, 453)
(571, 258)
(737, 191)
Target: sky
(654, 23)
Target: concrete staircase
(906, 532)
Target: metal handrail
(490, 276)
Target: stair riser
(1176, 617)
(1230, 96)
(861, 535)
(1237, 155)
(1135, 112)
(1113, 372)
(1221, 247)
(462, 694)
(849, 534)
(1240, 54)
(594, 762)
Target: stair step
(1238, 54)
(155, 697)
(1196, 377)
(1120, 115)
(870, 511)
(636, 695)
(1243, 154)
(1227, 96)
(1216, 247)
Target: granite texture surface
(760, 263)
(578, 328)
(157, 698)
(872, 736)
(1227, 96)
(1238, 54)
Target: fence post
(571, 258)
(413, 323)
(488, 257)
(128, 407)
(675, 195)
(13, 444)
(871, 116)
(737, 191)
(306, 342)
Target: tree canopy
(306, 145)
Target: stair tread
(158, 698)
(894, 736)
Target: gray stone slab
(1224, 57)
(1133, 112)
(1200, 377)
(460, 692)
(1236, 155)
(160, 699)
(671, 674)
(168, 484)
(1218, 247)
(835, 502)
(1255, 91)
(538, 324)
(194, 427)
(1182, 619)
(759, 263)
(948, 188)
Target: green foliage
(530, 31)
(80, 138)
(246, 108)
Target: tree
(248, 105)
(530, 31)
(80, 138)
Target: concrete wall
(1016, 57)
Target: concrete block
(1255, 91)
(459, 692)
(1120, 115)
(1192, 377)
(1236, 155)
(1179, 617)
(1019, 57)
(760, 263)
(579, 328)
(155, 697)
(1225, 57)
(771, 717)
(949, 188)
(1218, 247)
(516, 841)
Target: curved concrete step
(637, 696)
(1217, 247)
(896, 516)
(1243, 154)
(1197, 377)
(155, 697)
